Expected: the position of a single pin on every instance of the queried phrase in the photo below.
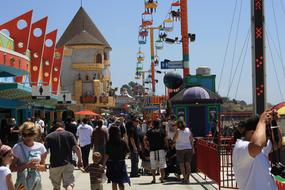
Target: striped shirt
(96, 172)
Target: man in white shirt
(84, 133)
(250, 155)
(41, 124)
(171, 127)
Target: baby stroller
(171, 162)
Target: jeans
(85, 150)
(134, 163)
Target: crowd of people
(164, 146)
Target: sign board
(64, 98)
(171, 64)
(41, 92)
(124, 100)
(152, 107)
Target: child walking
(96, 171)
(6, 158)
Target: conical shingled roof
(82, 31)
(84, 38)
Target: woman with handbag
(29, 159)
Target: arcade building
(197, 102)
(28, 59)
(31, 57)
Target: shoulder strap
(24, 152)
(269, 132)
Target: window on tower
(106, 56)
(99, 59)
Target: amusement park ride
(178, 12)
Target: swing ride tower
(152, 54)
(152, 60)
(185, 38)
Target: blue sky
(209, 20)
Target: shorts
(97, 186)
(184, 155)
(63, 172)
(146, 164)
(157, 159)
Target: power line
(275, 71)
(242, 66)
(242, 51)
(282, 6)
(278, 37)
(275, 47)
(227, 46)
(235, 43)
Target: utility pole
(185, 38)
(258, 56)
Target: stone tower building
(86, 65)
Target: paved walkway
(141, 183)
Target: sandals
(185, 181)
(161, 180)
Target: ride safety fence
(215, 162)
(214, 153)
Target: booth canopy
(86, 112)
(196, 95)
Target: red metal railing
(280, 185)
(208, 159)
(226, 171)
(216, 161)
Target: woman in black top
(116, 151)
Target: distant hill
(237, 105)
